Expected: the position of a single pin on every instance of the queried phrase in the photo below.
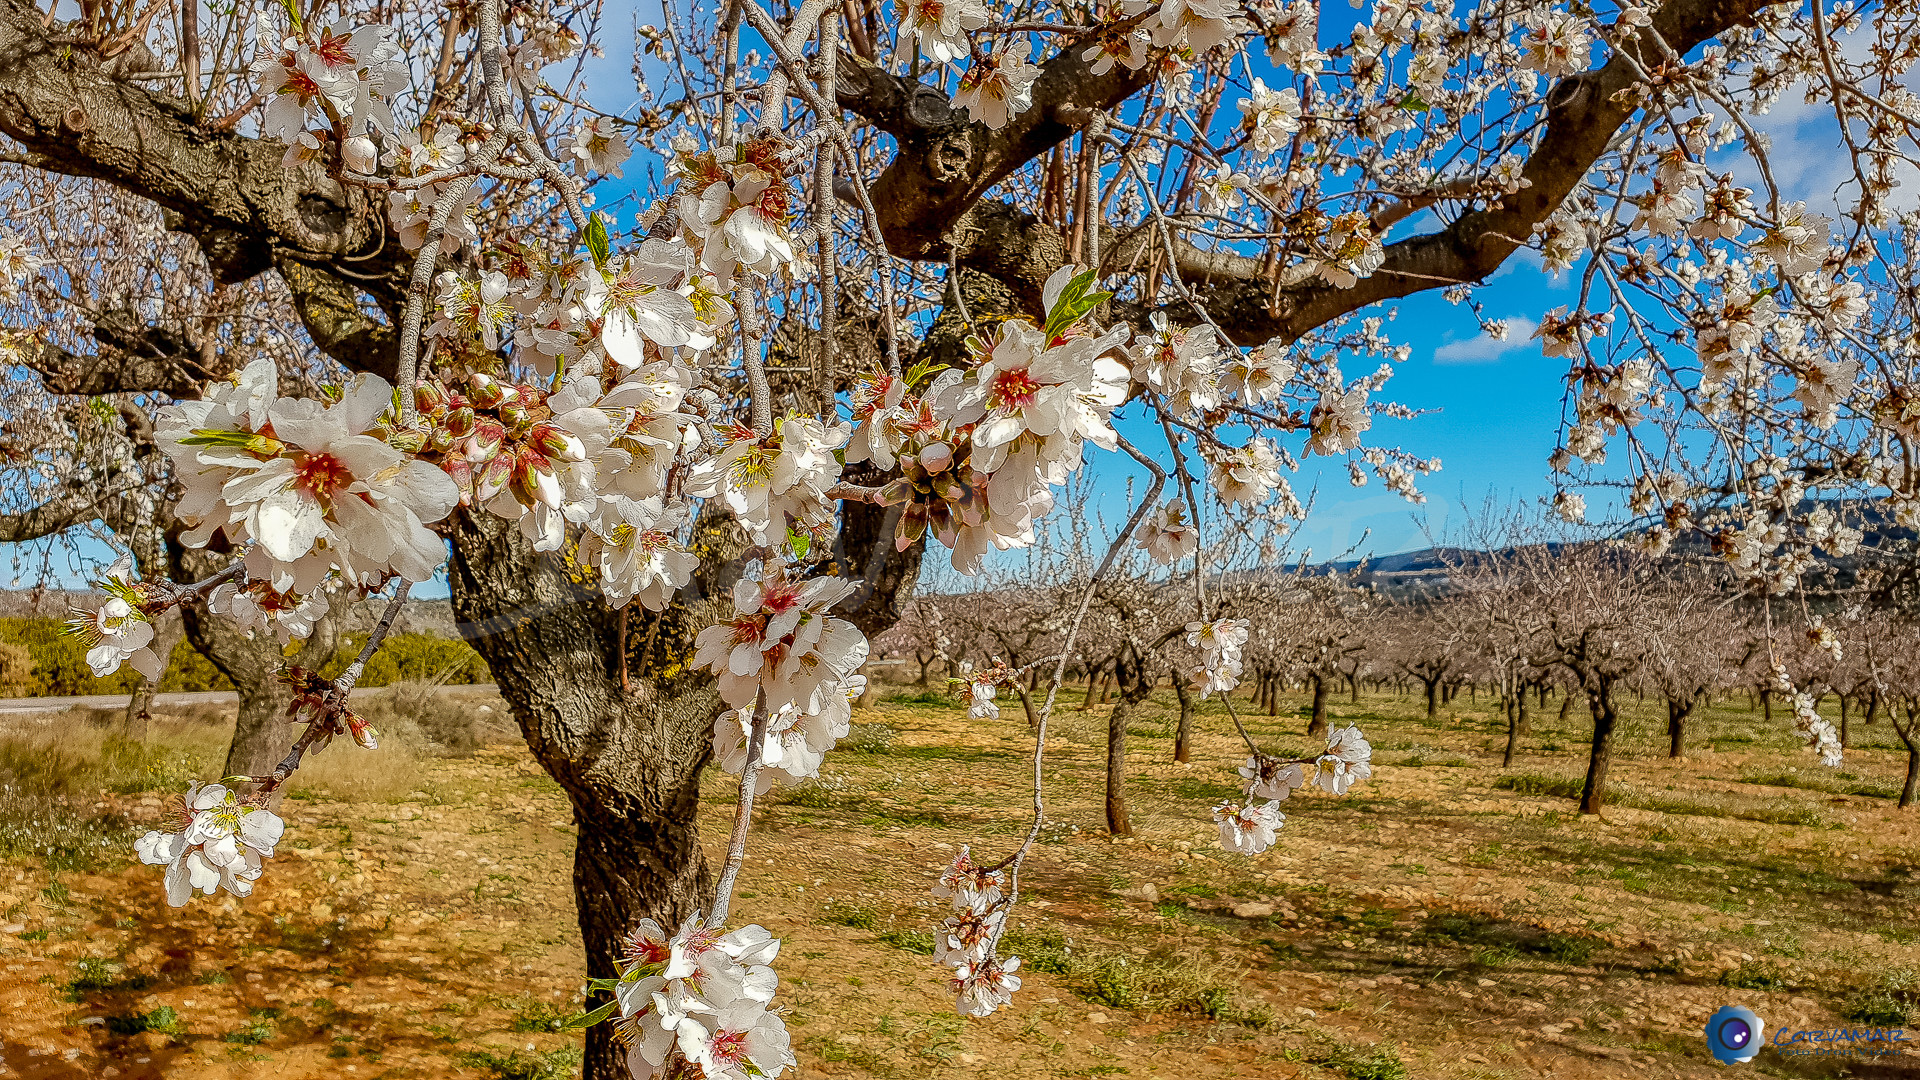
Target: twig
(742, 817)
(1019, 857)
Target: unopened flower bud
(533, 480)
(459, 422)
(515, 415)
(491, 479)
(428, 398)
(462, 474)
(441, 440)
(407, 440)
(485, 440)
(935, 457)
(360, 154)
(487, 392)
(558, 444)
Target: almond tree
(1063, 208)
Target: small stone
(1253, 910)
(13, 928)
(1098, 1018)
(1150, 893)
(1478, 1059)
(1488, 982)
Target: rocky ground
(1430, 924)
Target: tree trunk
(1846, 719)
(1677, 728)
(1356, 689)
(630, 763)
(262, 732)
(1516, 707)
(1873, 706)
(1183, 733)
(1766, 704)
(1524, 721)
(1026, 702)
(1594, 795)
(1566, 706)
(1273, 695)
(1093, 676)
(1433, 698)
(1909, 735)
(1117, 821)
(1317, 725)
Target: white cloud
(1482, 349)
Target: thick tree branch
(945, 162)
(248, 212)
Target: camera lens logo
(1733, 1035)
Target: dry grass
(347, 773)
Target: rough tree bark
(1317, 724)
(1183, 732)
(1135, 679)
(1677, 713)
(1600, 703)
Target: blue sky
(1490, 408)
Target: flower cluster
(702, 997)
(119, 631)
(776, 484)
(798, 734)
(1219, 642)
(781, 647)
(981, 450)
(310, 488)
(979, 686)
(330, 74)
(1817, 730)
(1167, 535)
(216, 842)
(966, 941)
(1250, 825)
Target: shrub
(418, 710)
(412, 657)
(55, 664)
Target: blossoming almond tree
(867, 306)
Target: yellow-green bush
(412, 658)
(59, 664)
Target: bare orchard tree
(1693, 657)
(1597, 622)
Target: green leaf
(245, 440)
(922, 370)
(1074, 304)
(597, 240)
(799, 543)
(1413, 102)
(587, 1020)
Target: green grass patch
(525, 1065)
